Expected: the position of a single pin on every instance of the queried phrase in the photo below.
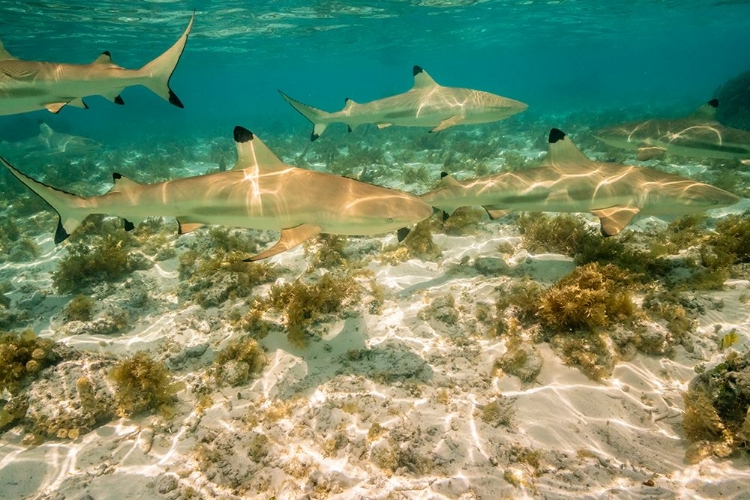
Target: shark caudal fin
(157, 73)
(69, 207)
(317, 117)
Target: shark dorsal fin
(448, 180)
(348, 103)
(562, 151)
(121, 183)
(104, 58)
(422, 79)
(4, 54)
(252, 153)
(707, 112)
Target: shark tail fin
(317, 117)
(71, 209)
(157, 73)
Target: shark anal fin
(614, 219)
(495, 213)
(290, 238)
(384, 125)
(448, 122)
(127, 225)
(648, 152)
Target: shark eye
(389, 220)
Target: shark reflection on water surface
(567, 181)
(260, 192)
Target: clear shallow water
(558, 56)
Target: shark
(33, 85)
(426, 104)
(696, 135)
(50, 143)
(568, 181)
(259, 192)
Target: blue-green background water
(558, 56)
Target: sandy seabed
(403, 402)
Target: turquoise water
(557, 56)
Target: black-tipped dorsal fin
(707, 112)
(422, 79)
(252, 153)
(448, 180)
(104, 58)
(121, 183)
(348, 103)
(562, 151)
(4, 54)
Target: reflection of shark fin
(648, 152)
(495, 213)
(45, 130)
(78, 103)
(186, 226)
(290, 238)
(252, 153)
(55, 107)
(104, 58)
(448, 122)
(4, 54)
(384, 125)
(614, 219)
(707, 112)
(562, 151)
(121, 183)
(114, 96)
(422, 79)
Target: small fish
(729, 340)
(697, 135)
(260, 192)
(568, 181)
(426, 104)
(30, 85)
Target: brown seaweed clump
(143, 384)
(717, 409)
(240, 360)
(22, 356)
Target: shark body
(697, 135)
(568, 181)
(260, 192)
(32, 85)
(50, 143)
(426, 104)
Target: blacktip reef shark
(31, 85)
(50, 143)
(567, 181)
(426, 104)
(260, 192)
(697, 135)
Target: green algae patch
(717, 409)
(22, 357)
(303, 304)
(143, 384)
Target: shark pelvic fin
(252, 153)
(449, 122)
(496, 213)
(4, 54)
(648, 152)
(422, 79)
(562, 151)
(707, 112)
(614, 219)
(187, 226)
(290, 238)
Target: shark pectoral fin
(648, 152)
(290, 238)
(55, 107)
(614, 219)
(745, 162)
(187, 226)
(495, 213)
(384, 125)
(448, 122)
